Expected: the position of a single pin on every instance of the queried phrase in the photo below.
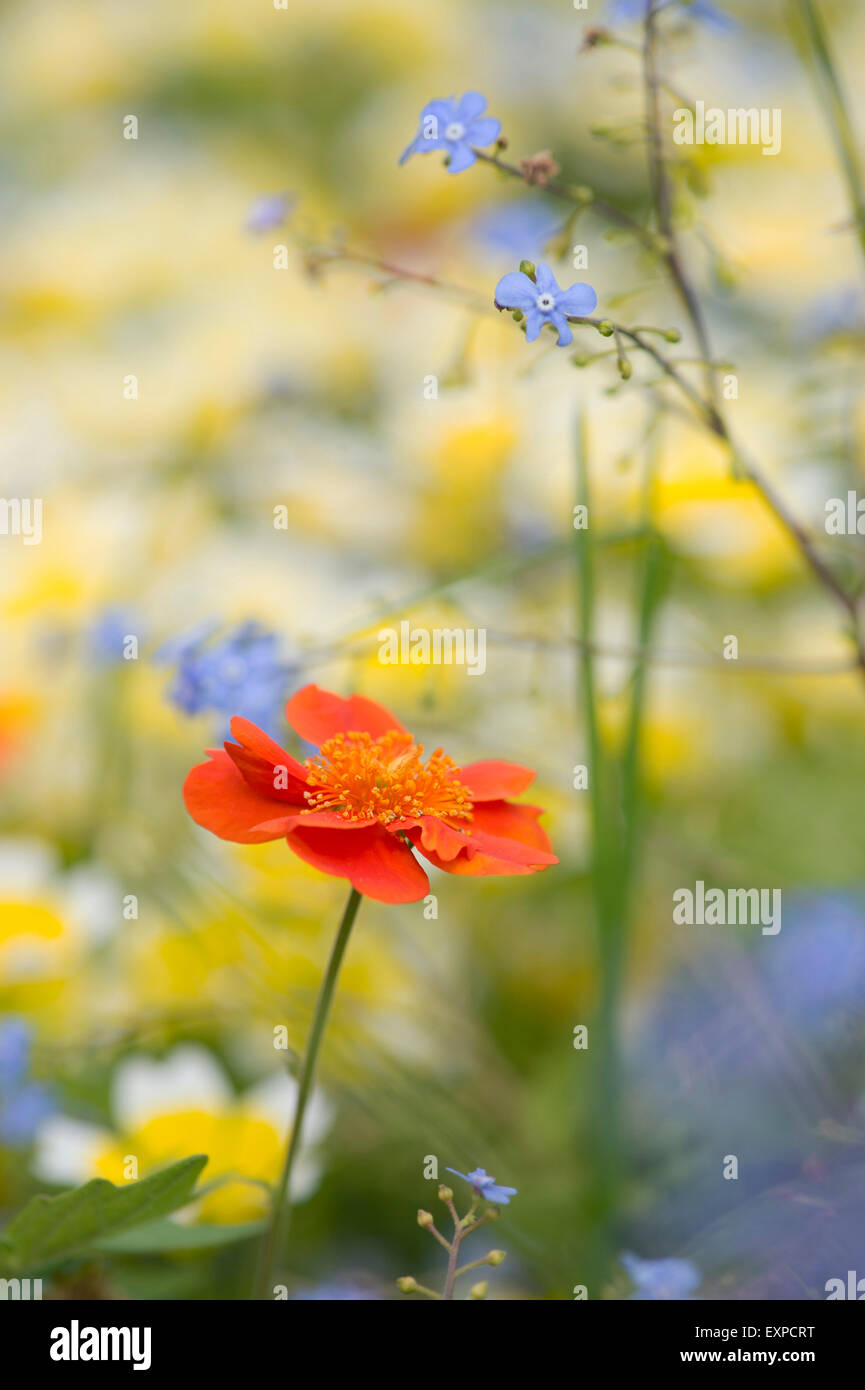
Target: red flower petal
(263, 746)
(502, 839)
(512, 822)
(377, 864)
(495, 781)
(480, 865)
(330, 819)
(218, 797)
(257, 757)
(434, 834)
(318, 714)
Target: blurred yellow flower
(182, 1105)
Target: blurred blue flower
(814, 972)
(660, 1279)
(841, 311)
(518, 229)
(339, 1291)
(623, 11)
(455, 127)
(239, 673)
(542, 301)
(486, 1186)
(742, 1016)
(108, 633)
(267, 212)
(23, 1104)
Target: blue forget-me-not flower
(267, 212)
(107, 634)
(485, 1186)
(661, 1279)
(543, 301)
(24, 1104)
(457, 128)
(240, 673)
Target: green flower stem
(463, 1226)
(662, 200)
(601, 1118)
(452, 1267)
(281, 1210)
(836, 107)
(475, 1264)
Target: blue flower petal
(501, 1195)
(516, 291)
(566, 337)
(15, 1040)
(470, 107)
(461, 157)
(484, 132)
(444, 111)
(22, 1116)
(486, 1185)
(423, 144)
(661, 1279)
(546, 280)
(535, 321)
(577, 301)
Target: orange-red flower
(368, 799)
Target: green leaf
(52, 1228)
(157, 1237)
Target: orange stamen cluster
(358, 776)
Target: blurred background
(168, 378)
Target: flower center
(358, 776)
(454, 131)
(545, 303)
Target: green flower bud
(496, 1257)
(527, 268)
(445, 1194)
(626, 371)
(584, 194)
(606, 329)
(407, 1284)
(479, 1290)
(673, 335)
(424, 1218)
(581, 359)
(517, 315)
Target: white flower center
(545, 303)
(454, 131)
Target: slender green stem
(475, 1264)
(281, 1209)
(453, 1256)
(601, 1116)
(653, 577)
(662, 200)
(842, 128)
(582, 197)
